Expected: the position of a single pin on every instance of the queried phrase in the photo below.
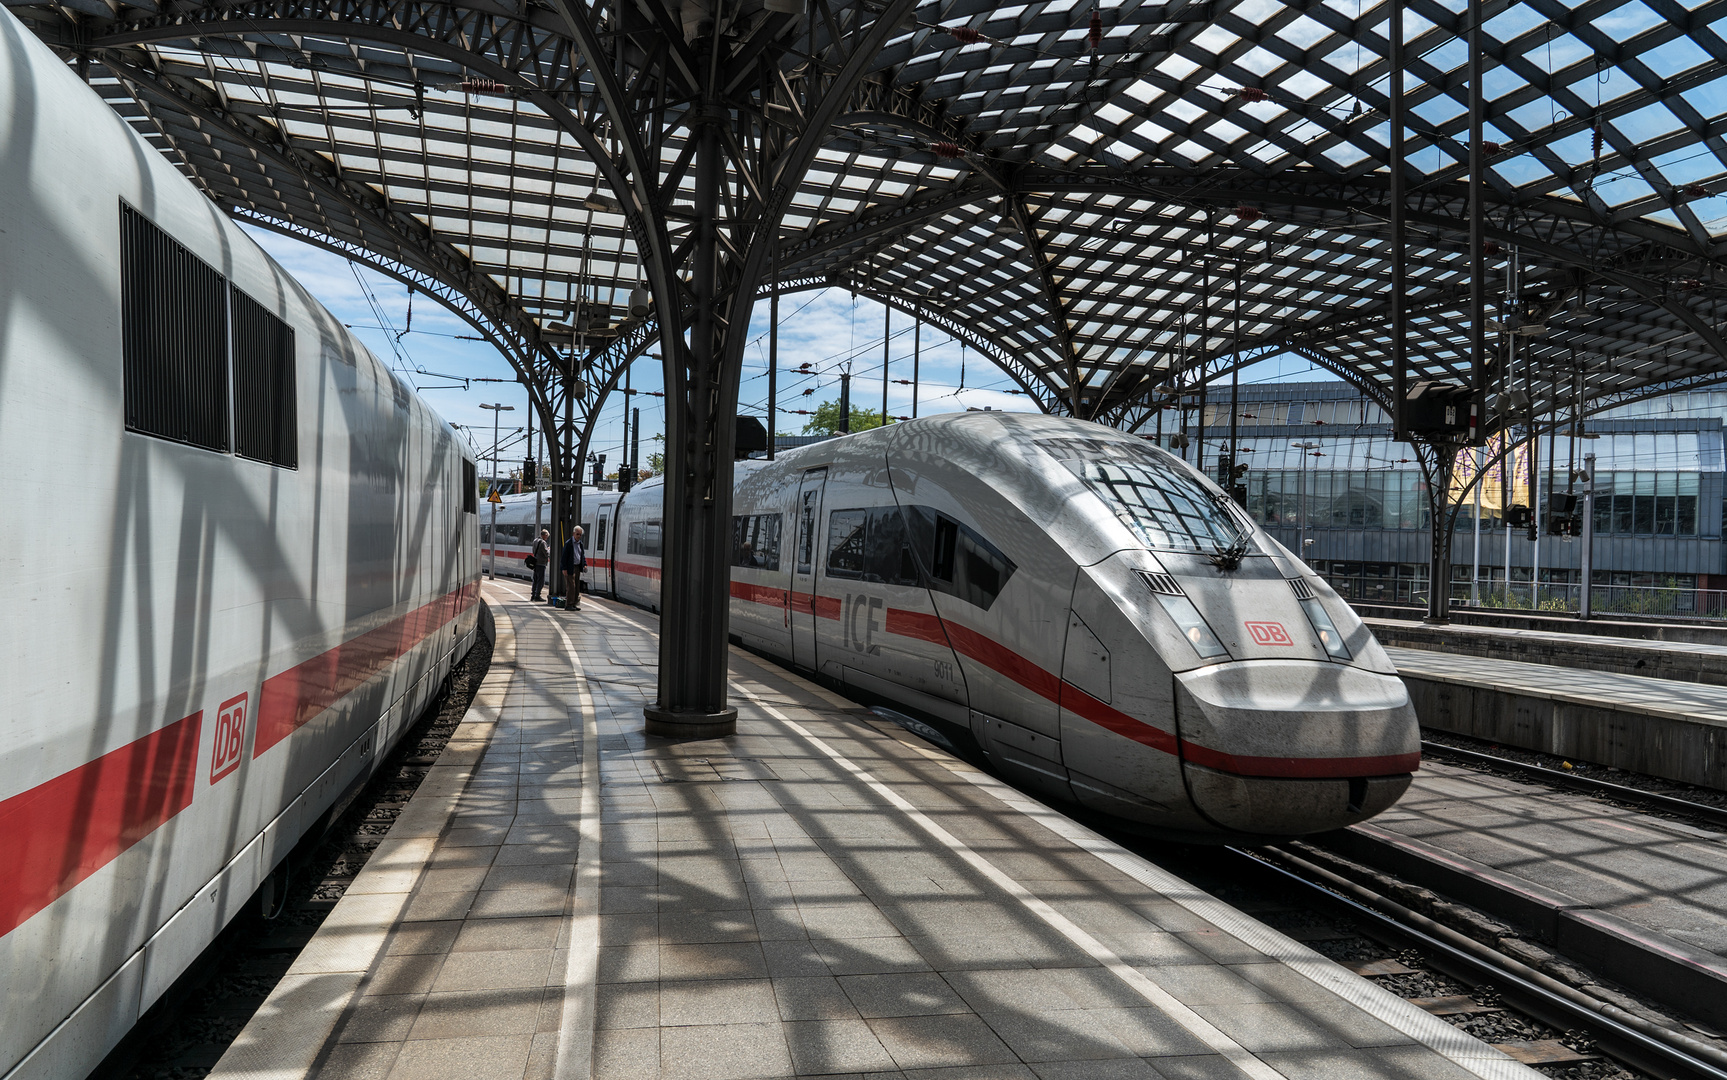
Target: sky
(828, 329)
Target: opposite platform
(819, 895)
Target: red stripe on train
(295, 697)
(59, 832)
(1004, 661)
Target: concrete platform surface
(821, 895)
(1641, 898)
(1644, 657)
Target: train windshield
(1154, 496)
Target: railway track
(187, 1033)
(1531, 765)
(1535, 1018)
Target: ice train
(250, 560)
(1095, 615)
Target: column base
(689, 724)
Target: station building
(1356, 501)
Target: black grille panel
(1303, 591)
(174, 342)
(1160, 583)
(265, 426)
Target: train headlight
(1193, 627)
(1326, 629)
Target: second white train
(1088, 609)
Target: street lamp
(492, 547)
(1301, 512)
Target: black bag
(528, 562)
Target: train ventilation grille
(1160, 583)
(1303, 591)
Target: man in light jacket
(575, 560)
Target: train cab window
(470, 488)
(958, 560)
(265, 427)
(600, 537)
(1153, 494)
(756, 541)
(871, 544)
(174, 338)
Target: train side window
(265, 424)
(960, 561)
(756, 541)
(871, 545)
(807, 531)
(846, 554)
(941, 553)
(485, 533)
(174, 338)
(588, 531)
(600, 537)
(644, 539)
(470, 488)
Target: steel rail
(1715, 815)
(1637, 1042)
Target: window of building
(174, 338)
(264, 406)
(756, 541)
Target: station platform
(1640, 898)
(821, 895)
(1668, 728)
(1684, 661)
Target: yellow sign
(494, 497)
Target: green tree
(826, 419)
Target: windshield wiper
(1229, 558)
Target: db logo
(1268, 633)
(230, 738)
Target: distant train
(249, 561)
(1096, 616)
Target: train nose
(1283, 748)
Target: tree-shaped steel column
(722, 99)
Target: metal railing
(1645, 600)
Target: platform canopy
(1104, 199)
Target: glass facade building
(1355, 503)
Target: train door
(805, 559)
(601, 558)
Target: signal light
(529, 475)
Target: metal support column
(916, 355)
(695, 590)
(845, 403)
(886, 338)
(1587, 556)
(1399, 236)
(773, 368)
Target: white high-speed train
(250, 561)
(1089, 610)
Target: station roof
(1102, 212)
